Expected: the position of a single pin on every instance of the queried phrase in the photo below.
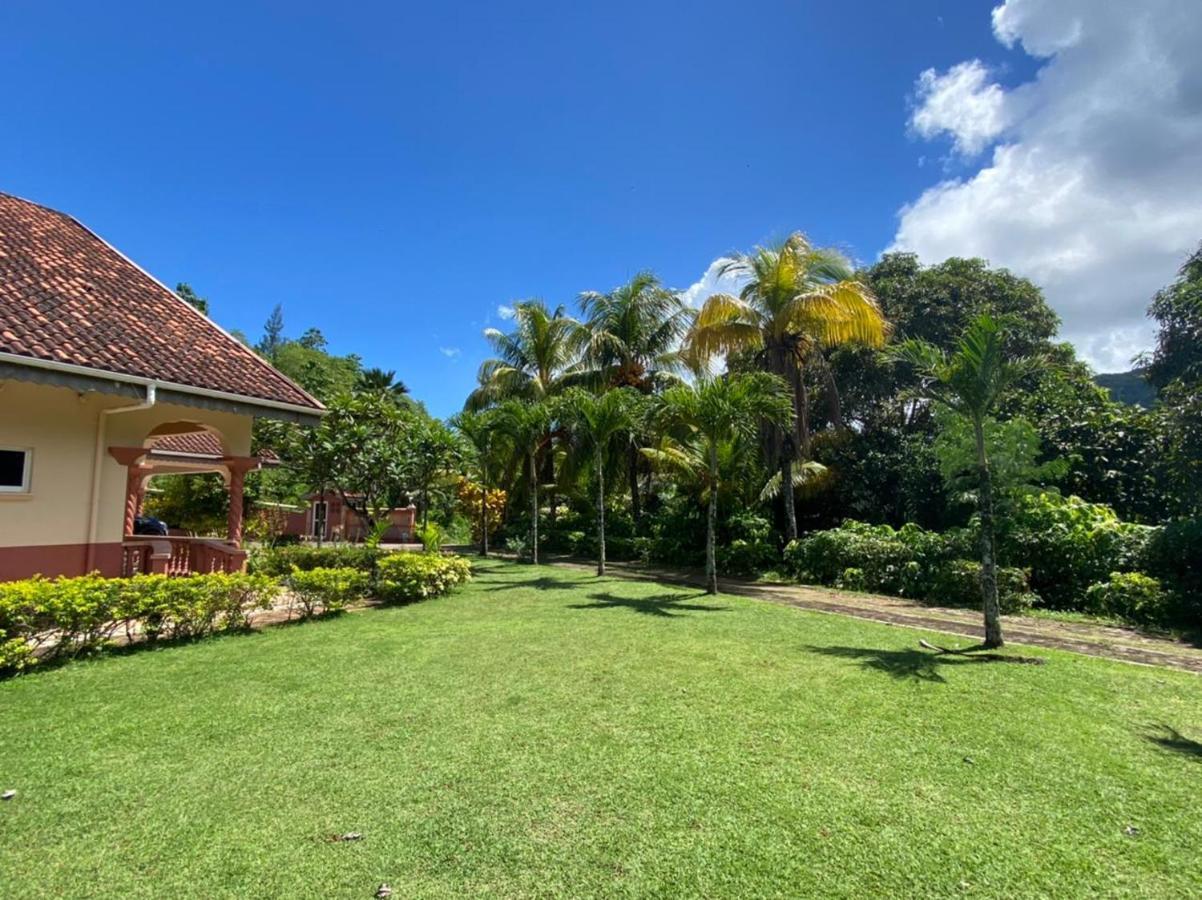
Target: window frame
(26, 485)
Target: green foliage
(1013, 448)
(430, 536)
(196, 503)
(1132, 596)
(326, 589)
(906, 562)
(283, 560)
(1069, 544)
(66, 617)
(1174, 555)
(404, 577)
(750, 546)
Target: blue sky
(391, 173)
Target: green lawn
(547, 733)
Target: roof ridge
(241, 347)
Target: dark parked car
(150, 525)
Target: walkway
(1124, 644)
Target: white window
(15, 464)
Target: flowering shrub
(416, 576)
(467, 493)
(328, 590)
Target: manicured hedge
(402, 577)
(48, 619)
(283, 560)
(42, 619)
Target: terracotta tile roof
(66, 296)
(201, 443)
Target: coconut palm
(597, 420)
(969, 381)
(797, 300)
(531, 360)
(480, 431)
(525, 423)
(631, 338)
(714, 411)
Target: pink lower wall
(58, 559)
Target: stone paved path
(1124, 644)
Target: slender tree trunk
(600, 513)
(993, 622)
(533, 509)
(711, 526)
(483, 513)
(834, 403)
(425, 508)
(786, 492)
(632, 465)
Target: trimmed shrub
(1131, 596)
(282, 560)
(327, 590)
(750, 547)
(47, 619)
(404, 577)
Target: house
(328, 518)
(107, 379)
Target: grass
(547, 733)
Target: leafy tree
(1177, 310)
(431, 452)
(525, 424)
(322, 374)
(797, 300)
(969, 382)
(189, 296)
(359, 450)
(717, 411)
(597, 420)
(631, 338)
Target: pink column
(234, 520)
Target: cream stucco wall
(60, 426)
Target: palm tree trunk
(711, 526)
(786, 492)
(834, 403)
(632, 466)
(533, 509)
(600, 513)
(483, 513)
(993, 622)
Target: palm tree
(797, 300)
(598, 420)
(382, 382)
(969, 382)
(525, 423)
(717, 410)
(480, 430)
(532, 360)
(631, 338)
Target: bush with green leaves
(327, 590)
(1069, 544)
(404, 577)
(1173, 554)
(430, 536)
(750, 547)
(1132, 596)
(282, 560)
(957, 582)
(45, 619)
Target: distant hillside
(1128, 387)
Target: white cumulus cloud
(1092, 188)
(505, 311)
(450, 352)
(962, 103)
(712, 282)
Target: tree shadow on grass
(662, 605)
(1174, 741)
(923, 665)
(543, 583)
